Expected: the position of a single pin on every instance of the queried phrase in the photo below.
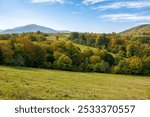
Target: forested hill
(114, 53)
(138, 30)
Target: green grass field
(32, 84)
(61, 37)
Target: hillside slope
(138, 30)
(28, 83)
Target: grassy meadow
(41, 84)
(63, 37)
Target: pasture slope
(40, 84)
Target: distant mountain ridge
(31, 28)
(138, 30)
(63, 31)
(1, 30)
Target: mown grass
(40, 84)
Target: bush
(107, 57)
(146, 66)
(135, 65)
(102, 67)
(115, 70)
(64, 62)
(123, 67)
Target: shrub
(64, 62)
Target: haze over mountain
(138, 30)
(31, 28)
(63, 31)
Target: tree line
(114, 53)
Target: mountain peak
(30, 28)
(34, 25)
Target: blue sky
(102, 16)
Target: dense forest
(114, 53)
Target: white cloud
(125, 17)
(87, 2)
(131, 4)
(47, 1)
